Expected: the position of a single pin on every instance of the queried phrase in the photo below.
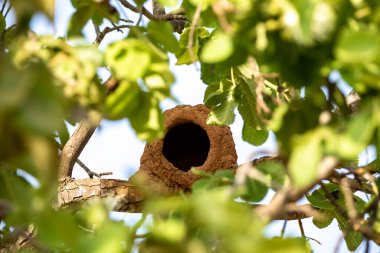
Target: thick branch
(123, 195)
(75, 145)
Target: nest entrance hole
(186, 146)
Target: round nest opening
(186, 146)
(188, 142)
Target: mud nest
(188, 142)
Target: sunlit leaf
(304, 171)
(360, 46)
(187, 55)
(147, 120)
(218, 48)
(123, 101)
(123, 55)
(223, 114)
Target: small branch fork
(177, 18)
(176, 15)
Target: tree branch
(124, 196)
(75, 146)
(149, 15)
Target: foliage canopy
(271, 61)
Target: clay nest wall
(188, 142)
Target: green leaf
(358, 46)
(285, 245)
(171, 230)
(123, 101)
(325, 220)
(78, 20)
(48, 7)
(147, 119)
(2, 23)
(223, 114)
(247, 103)
(184, 56)
(301, 21)
(217, 49)
(63, 134)
(219, 178)
(122, 57)
(161, 33)
(169, 3)
(276, 171)
(304, 171)
(255, 191)
(217, 93)
(319, 200)
(222, 103)
(254, 136)
(352, 238)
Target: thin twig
(338, 243)
(283, 229)
(140, 17)
(220, 13)
(149, 15)
(90, 173)
(3, 7)
(6, 13)
(107, 30)
(367, 246)
(301, 228)
(194, 24)
(349, 200)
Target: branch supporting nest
(123, 196)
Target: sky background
(114, 146)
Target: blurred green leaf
(304, 171)
(255, 190)
(63, 134)
(361, 46)
(90, 9)
(169, 3)
(276, 171)
(162, 34)
(147, 121)
(122, 102)
(325, 221)
(2, 23)
(78, 20)
(219, 178)
(123, 55)
(172, 230)
(254, 136)
(218, 48)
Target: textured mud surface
(188, 142)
